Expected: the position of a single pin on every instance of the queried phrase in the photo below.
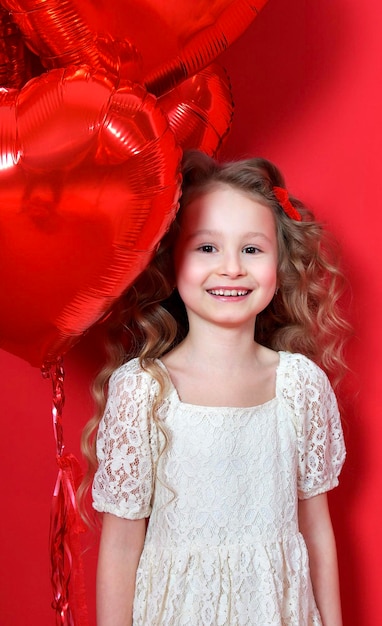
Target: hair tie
(283, 200)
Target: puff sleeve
(320, 442)
(126, 447)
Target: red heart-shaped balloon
(175, 39)
(13, 66)
(200, 110)
(89, 181)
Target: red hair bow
(283, 200)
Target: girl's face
(226, 257)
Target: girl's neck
(222, 369)
(219, 348)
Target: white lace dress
(222, 546)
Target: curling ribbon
(67, 575)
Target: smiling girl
(218, 434)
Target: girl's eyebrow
(202, 232)
(217, 233)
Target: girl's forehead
(217, 196)
(225, 208)
(216, 190)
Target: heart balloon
(14, 70)
(200, 110)
(175, 39)
(89, 182)
(56, 33)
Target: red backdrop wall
(305, 80)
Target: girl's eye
(207, 248)
(251, 250)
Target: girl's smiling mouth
(228, 292)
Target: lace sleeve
(321, 448)
(126, 445)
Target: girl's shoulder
(130, 383)
(303, 385)
(299, 366)
(129, 368)
(299, 376)
(131, 375)
(133, 382)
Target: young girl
(221, 435)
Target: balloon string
(67, 574)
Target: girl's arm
(119, 553)
(316, 528)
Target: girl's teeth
(227, 292)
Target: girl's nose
(232, 265)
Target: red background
(306, 84)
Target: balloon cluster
(97, 102)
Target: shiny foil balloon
(14, 70)
(57, 33)
(203, 31)
(54, 27)
(200, 110)
(88, 185)
(175, 39)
